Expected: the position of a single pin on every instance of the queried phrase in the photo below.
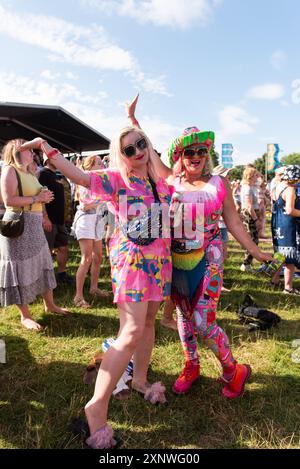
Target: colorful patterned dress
(196, 292)
(139, 273)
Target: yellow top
(30, 187)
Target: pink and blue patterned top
(139, 273)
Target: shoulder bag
(14, 228)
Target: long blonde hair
(248, 174)
(89, 162)
(11, 156)
(118, 161)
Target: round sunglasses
(191, 152)
(130, 150)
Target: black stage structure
(60, 128)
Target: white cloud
(267, 139)
(243, 157)
(278, 59)
(66, 41)
(296, 91)
(156, 85)
(172, 13)
(99, 120)
(26, 89)
(161, 133)
(284, 103)
(269, 91)
(48, 75)
(81, 46)
(71, 76)
(235, 121)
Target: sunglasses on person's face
(130, 150)
(191, 152)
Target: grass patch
(41, 387)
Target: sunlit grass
(41, 387)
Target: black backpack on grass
(255, 317)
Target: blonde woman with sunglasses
(141, 274)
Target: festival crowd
(135, 205)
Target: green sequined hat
(190, 135)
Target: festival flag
(227, 150)
(272, 156)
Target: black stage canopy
(62, 130)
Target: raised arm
(59, 161)
(236, 227)
(161, 168)
(130, 110)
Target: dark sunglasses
(191, 152)
(130, 150)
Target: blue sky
(231, 66)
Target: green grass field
(41, 386)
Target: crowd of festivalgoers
(79, 196)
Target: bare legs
(95, 270)
(50, 307)
(136, 334)
(142, 354)
(91, 256)
(288, 276)
(289, 270)
(167, 319)
(62, 258)
(26, 319)
(86, 248)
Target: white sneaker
(245, 268)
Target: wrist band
(52, 154)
